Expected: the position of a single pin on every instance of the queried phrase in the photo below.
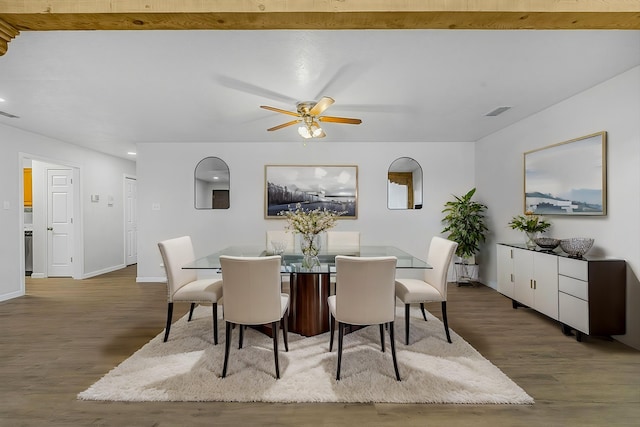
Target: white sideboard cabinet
(586, 295)
(536, 281)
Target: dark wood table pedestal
(308, 308)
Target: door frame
(78, 241)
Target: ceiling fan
(308, 114)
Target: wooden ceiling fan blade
(252, 89)
(346, 120)
(278, 110)
(284, 125)
(321, 105)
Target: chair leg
(275, 326)
(215, 323)
(444, 320)
(169, 316)
(285, 330)
(382, 336)
(393, 350)
(424, 315)
(332, 328)
(406, 323)
(340, 337)
(241, 339)
(193, 305)
(227, 347)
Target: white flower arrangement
(309, 222)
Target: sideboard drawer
(573, 312)
(573, 268)
(575, 287)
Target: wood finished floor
(64, 335)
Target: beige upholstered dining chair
(364, 296)
(288, 239)
(433, 286)
(184, 285)
(347, 242)
(343, 243)
(252, 296)
(283, 236)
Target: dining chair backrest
(365, 289)
(343, 241)
(175, 254)
(251, 289)
(440, 254)
(280, 236)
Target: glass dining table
(309, 287)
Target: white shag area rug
(188, 367)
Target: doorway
(53, 219)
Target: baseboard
(103, 271)
(11, 295)
(37, 275)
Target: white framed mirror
(404, 184)
(211, 184)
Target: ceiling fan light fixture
(310, 129)
(308, 115)
(315, 130)
(305, 132)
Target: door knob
(50, 228)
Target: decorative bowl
(576, 246)
(547, 243)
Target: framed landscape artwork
(334, 187)
(569, 178)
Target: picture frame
(334, 187)
(568, 178)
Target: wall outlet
(155, 207)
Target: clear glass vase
(530, 239)
(310, 247)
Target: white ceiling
(109, 90)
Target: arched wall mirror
(404, 184)
(211, 179)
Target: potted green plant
(531, 224)
(465, 223)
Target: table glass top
(292, 262)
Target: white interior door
(131, 221)
(59, 223)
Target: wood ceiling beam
(46, 15)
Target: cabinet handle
(535, 284)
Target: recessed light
(2, 100)
(132, 153)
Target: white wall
(165, 177)
(613, 106)
(102, 227)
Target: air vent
(11, 116)
(497, 111)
